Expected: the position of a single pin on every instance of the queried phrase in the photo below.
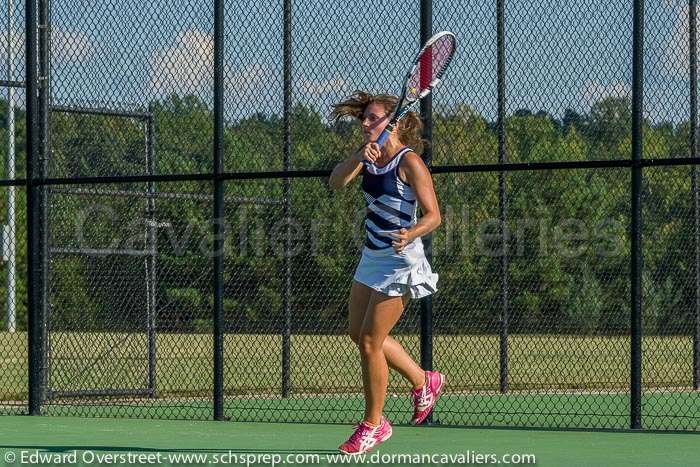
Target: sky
(559, 54)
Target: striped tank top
(390, 203)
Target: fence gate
(101, 248)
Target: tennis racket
(426, 72)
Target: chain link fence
(183, 256)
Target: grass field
(553, 380)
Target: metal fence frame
(36, 183)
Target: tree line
(567, 231)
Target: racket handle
(384, 136)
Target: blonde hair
(410, 127)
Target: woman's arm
(418, 176)
(344, 172)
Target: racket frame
(402, 109)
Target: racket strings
(442, 52)
(432, 63)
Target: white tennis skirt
(395, 274)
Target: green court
(661, 410)
(173, 440)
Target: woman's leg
(383, 312)
(399, 360)
(396, 356)
(357, 308)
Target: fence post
(636, 235)
(502, 206)
(426, 113)
(10, 240)
(693, 51)
(44, 81)
(218, 243)
(34, 289)
(152, 247)
(286, 260)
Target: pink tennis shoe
(424, 399)
(366, 437)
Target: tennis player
(393, 267)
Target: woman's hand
(344, 172)
(370, 152)
(402, 238)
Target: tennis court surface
(53, 440)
